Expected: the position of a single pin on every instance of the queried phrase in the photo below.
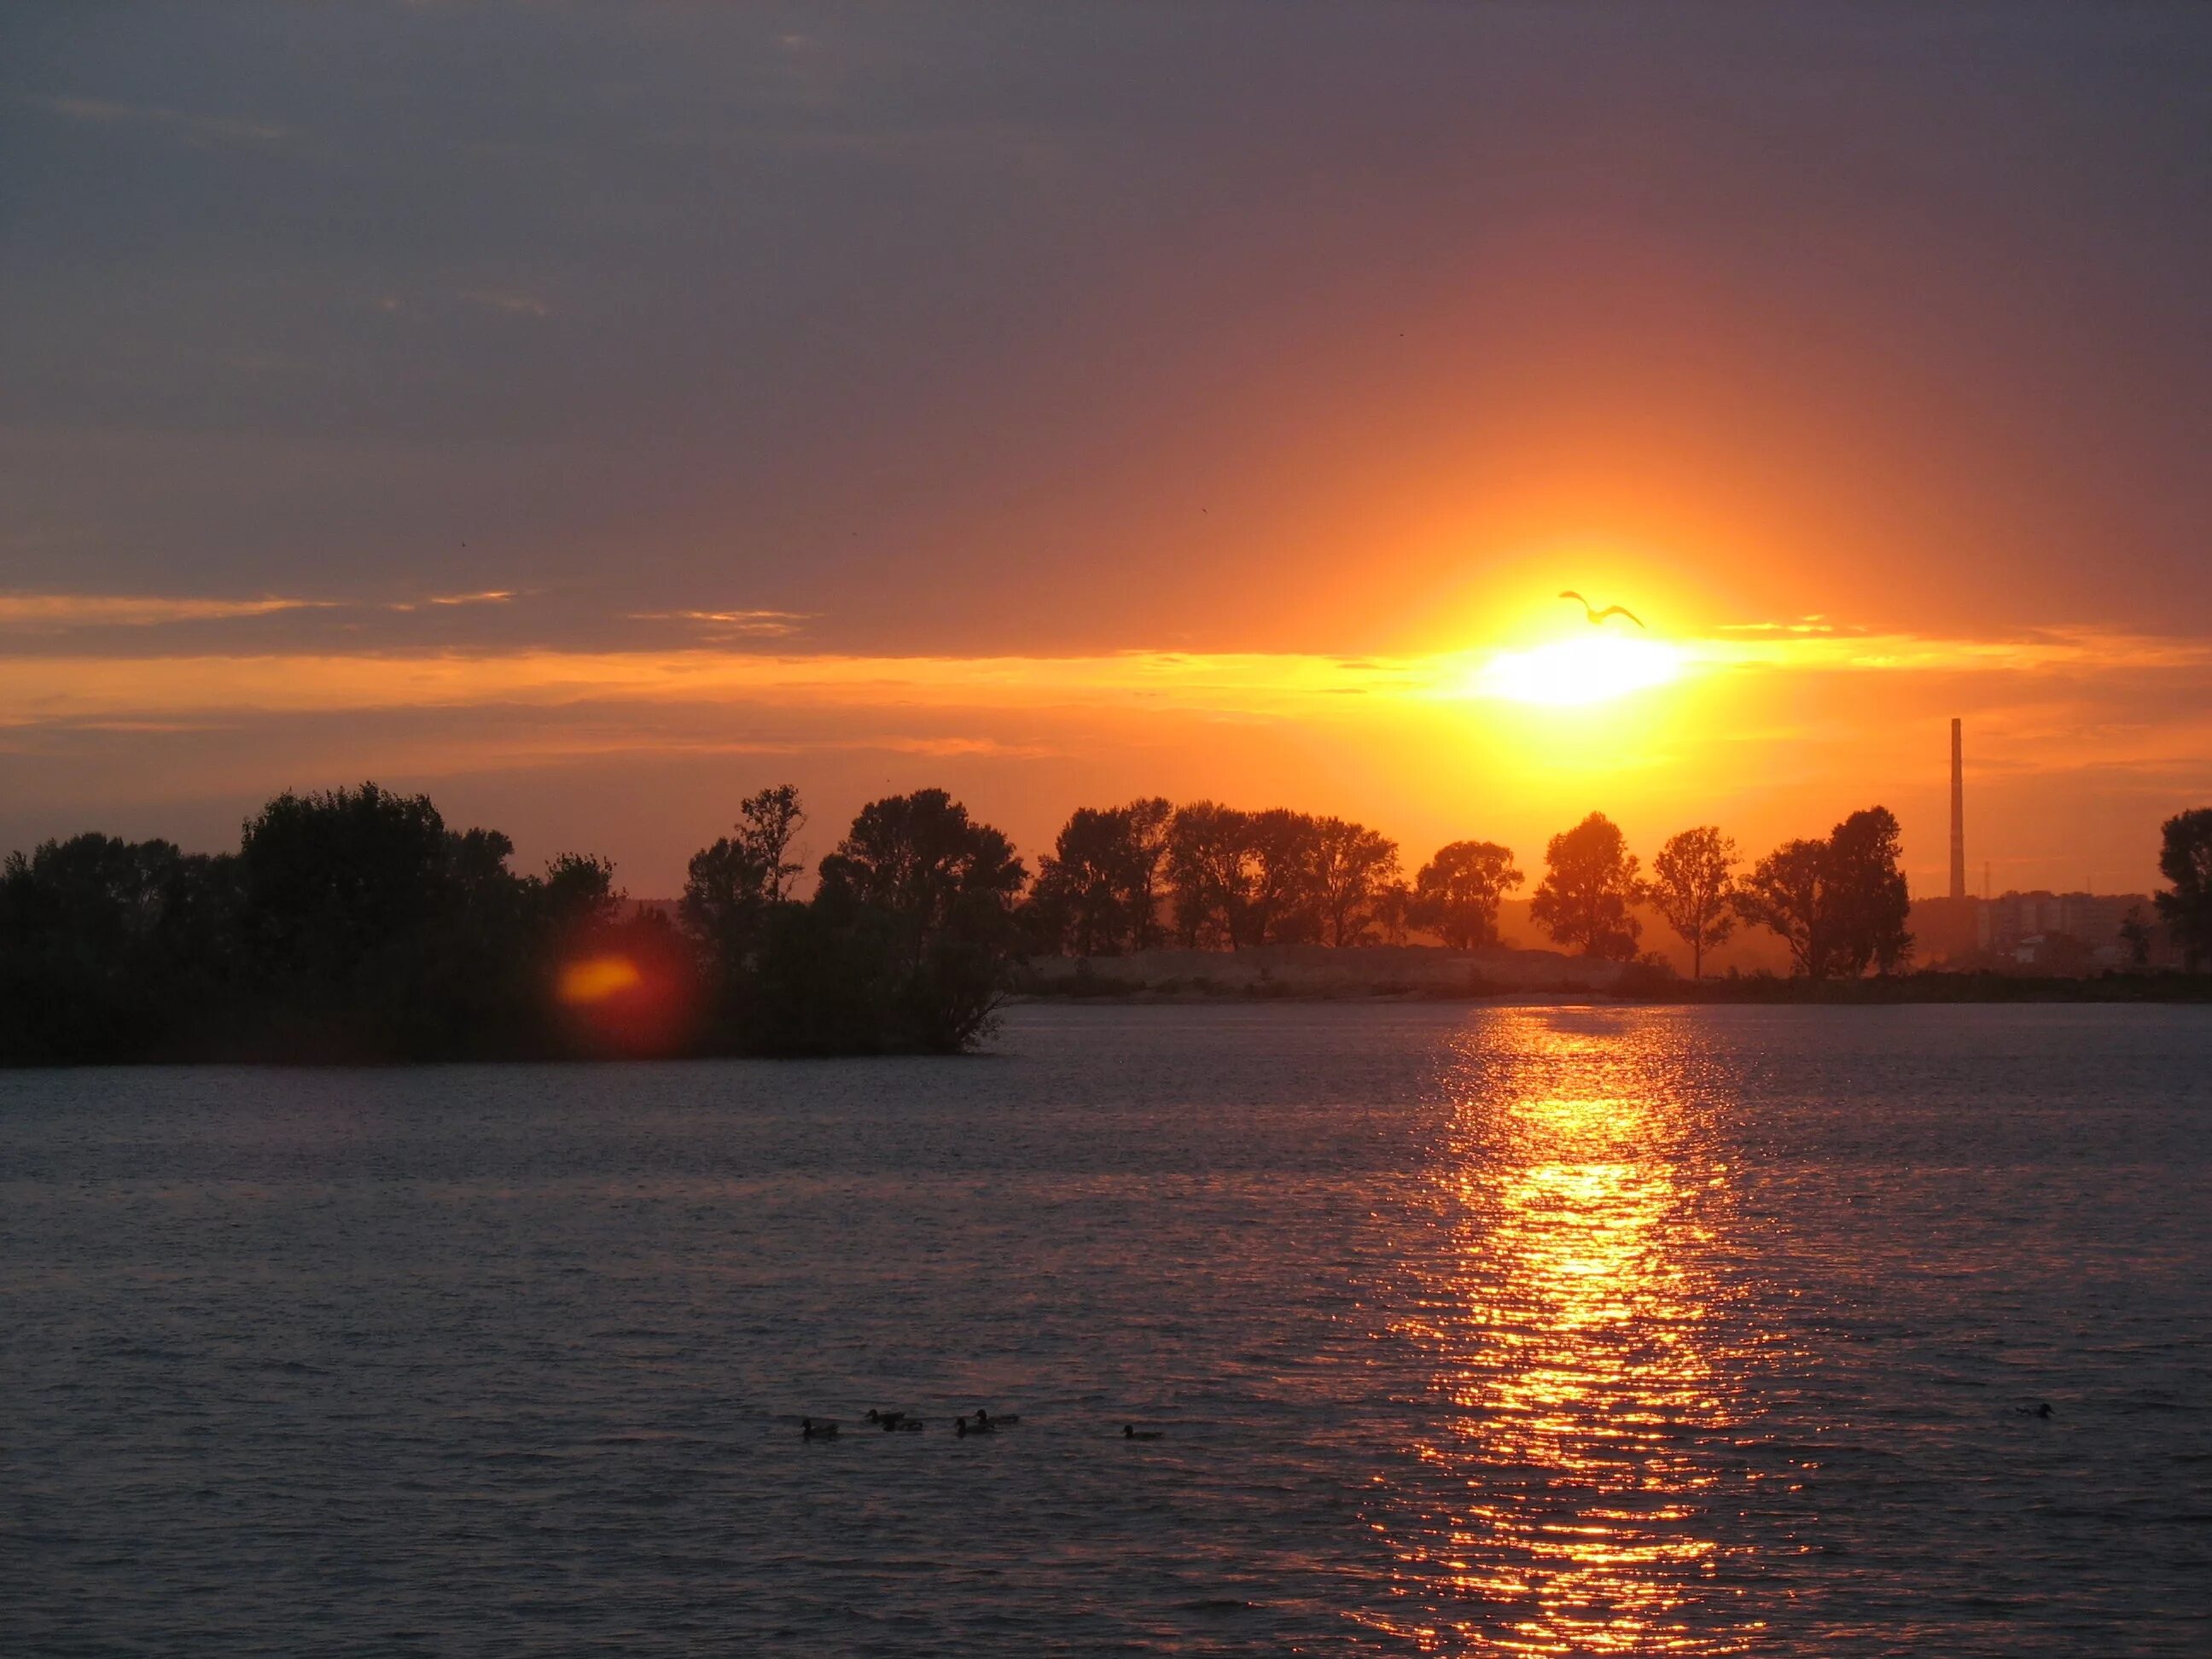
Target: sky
(590, 414)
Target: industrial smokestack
(1958, 814)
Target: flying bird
(1595, 616)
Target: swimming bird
(1131, 1432)
(810, 1430)
(1597, 616)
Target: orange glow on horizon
(1518, 721)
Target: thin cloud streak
(109, 112)
(1312, 685)
(138, 611)
(62, 611)
(764, 623)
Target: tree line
(1207, 875)
(355, 924)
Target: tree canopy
(1587, 891)
(1840, 905)
(1457, 892)
(1693, 881)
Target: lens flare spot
(594, 979)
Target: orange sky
(596, 414)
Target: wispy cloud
(766, 623)
(1270, 684)
(489, 596)
(55, 613)
(2081, 649)
(138, 611)
(109, 111)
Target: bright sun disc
(1589, 670)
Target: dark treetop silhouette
(1840, 904)
(355, 925)
(1586, 896)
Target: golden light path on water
(1576, 1314)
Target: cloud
(108, 112)
(2085, 650)
(57, 612)
(136, 611)
(1252, 684)
(489, 596)
(765, 623)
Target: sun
(1593, 667)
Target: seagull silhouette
(1595, 616)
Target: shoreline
(1634, 989)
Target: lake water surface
(1466, 1330)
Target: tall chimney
(1958, 814)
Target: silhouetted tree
(1097, 890)
(917, 856)
(1456, 894)
(829, 980)
(111, 950)
(1786, 894)
(730, 887)
(333, 883)
(941, 889)
(2184, 857)
(1352, 866)
(1213, 874)
(1868, 889)
(1285, 902)
(577, 894)
(1149, 819)
(1243, 879)
(1586, 893)
(1393, 909)
(1693, 880)
(1840, 904)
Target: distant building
(2028, 928)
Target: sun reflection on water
(1564, 1500)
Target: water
(1465, 1331)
